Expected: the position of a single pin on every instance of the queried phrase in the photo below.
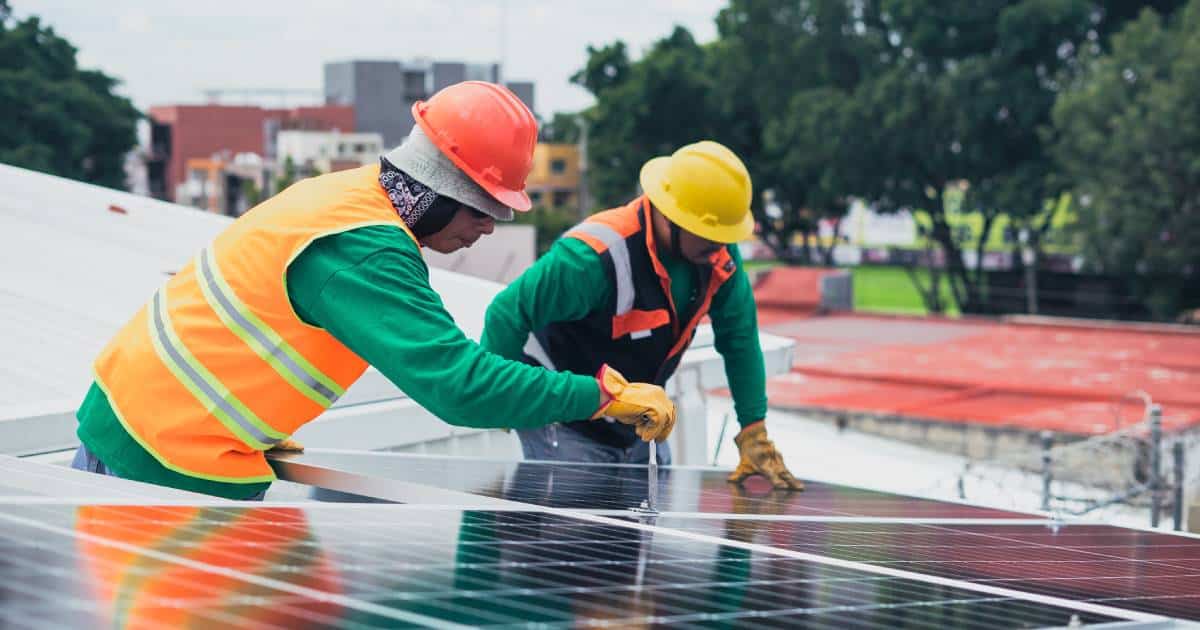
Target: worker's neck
(661, 228)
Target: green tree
(549, 223)
(963, 96)
(794, 129)
(563, 128)
(58, 118)
(644, 109)
(1128, 139)
(287, 176)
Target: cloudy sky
(169, 51)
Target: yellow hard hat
(703, 188)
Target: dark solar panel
(589, 486)
(387, 565)
(1148, 571)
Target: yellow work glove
(642, 405)
(287, 445)
(760, 457)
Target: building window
(535, 196)
(562, 198)
(558, 166)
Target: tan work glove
(642, 405)
(760, 457)
(287, 445)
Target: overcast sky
(169, 51)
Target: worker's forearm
(467, 386)
(735, 332)
(747, 384)
(385, 311)
(505, 331)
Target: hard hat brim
(653, 179)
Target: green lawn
(881, 289)
(890, 290)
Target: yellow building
(554, 180)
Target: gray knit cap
(422, 160)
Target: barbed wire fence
(1135, 467)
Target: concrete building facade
(328, 151)
(182, 132)
(382, 92)
(554, 180)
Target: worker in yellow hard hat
(627, 288)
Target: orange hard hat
(487, 132)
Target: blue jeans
(87, 461)
(555, 442)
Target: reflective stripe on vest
(620, 257)
(618, 249)
(211, 393)
(265, 342)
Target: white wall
(499, 257)
(319, 147)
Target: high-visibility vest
(217, 367)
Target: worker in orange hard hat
(627, 288)
(284, 310)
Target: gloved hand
(760, 457)
(642, 405)
(287, 445)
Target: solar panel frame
(607, 487)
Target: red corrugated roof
(1040, 374)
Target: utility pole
(503, 42)
(585, 203)
(1029, 258)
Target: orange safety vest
(217, 367)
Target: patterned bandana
(410, 198)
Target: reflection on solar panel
(401, 565)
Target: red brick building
(182, 132)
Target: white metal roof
(77, 260)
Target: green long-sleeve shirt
(569, 282)
(369, 288)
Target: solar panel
(606, 487)
(1138, 570)
(23, 480)
(396, 565)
